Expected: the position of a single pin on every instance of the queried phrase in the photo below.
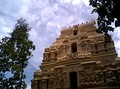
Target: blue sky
(46, 18)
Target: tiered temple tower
(79, 58)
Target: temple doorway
(73, 80)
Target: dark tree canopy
(15, 51)
(108, 12)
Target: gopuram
(79, 59)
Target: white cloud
(86, 2)
(68, 1)
(76, 2)
(116, 38)
(28, 86)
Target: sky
(46, 19)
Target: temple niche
(79, 58)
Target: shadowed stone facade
(79, 58)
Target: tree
(108, 13)
(15, 51)
(4, 63)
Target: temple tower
(78, 58)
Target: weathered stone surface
(79, 59)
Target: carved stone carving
(66, 39)
(85, 45)
(84, 35)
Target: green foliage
(15, 51)
(108, 12)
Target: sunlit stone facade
(78, 59)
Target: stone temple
(79, 59)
